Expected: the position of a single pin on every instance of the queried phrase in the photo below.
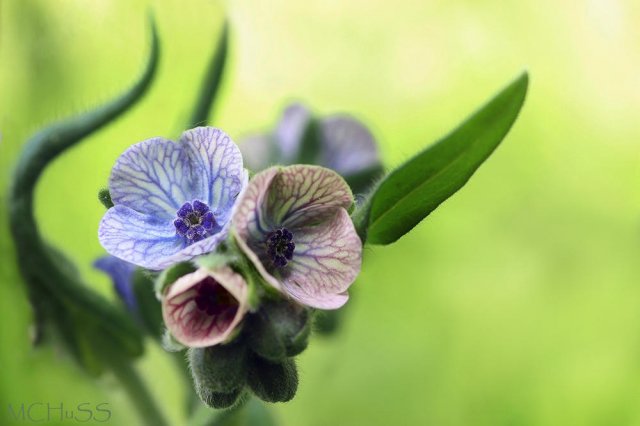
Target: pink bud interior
(204, 311)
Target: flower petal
(302, 194)
(217, 168)
(195, 327)
(151, 177)
(290, 130)
(121, 274)
(138, 238)
(296, 197)
(326, 261)
(348, 146)
(197, 248)
(257, 152)
(250, 223)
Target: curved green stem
(59, 296)
(135, 387)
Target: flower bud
(273, 381)
(222, 400)
(219, 373)
(105, 198)
(204, 308)
(279, 329)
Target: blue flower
(121, 274)
(172, 201)
(345, 146)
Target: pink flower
(203, 308)
(292, 223)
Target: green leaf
(211, 82)
(409, 193)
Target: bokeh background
(517, 302)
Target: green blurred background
(516, 303)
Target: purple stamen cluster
(280, 246)
(194, 220)
(212, 298)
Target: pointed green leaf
(211, 82)
(412, 191)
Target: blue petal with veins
(173, 201)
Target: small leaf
(211, 82)
(412, 191)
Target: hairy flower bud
(279, 329)
(219, 373)
(273, 381)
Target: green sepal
(273, 381)
(257, 288)
(327, 323)
(217, 259)
(171, 275)
(170, 344)
(279, 329)
(104, 196)
(410, 192)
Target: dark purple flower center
(195, 221)
(280, 247)
(214, 299)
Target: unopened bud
(219, 373)
(279, 329)
(273, 381)
(105, 198)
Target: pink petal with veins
(203, 308)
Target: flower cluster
(285, 237)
